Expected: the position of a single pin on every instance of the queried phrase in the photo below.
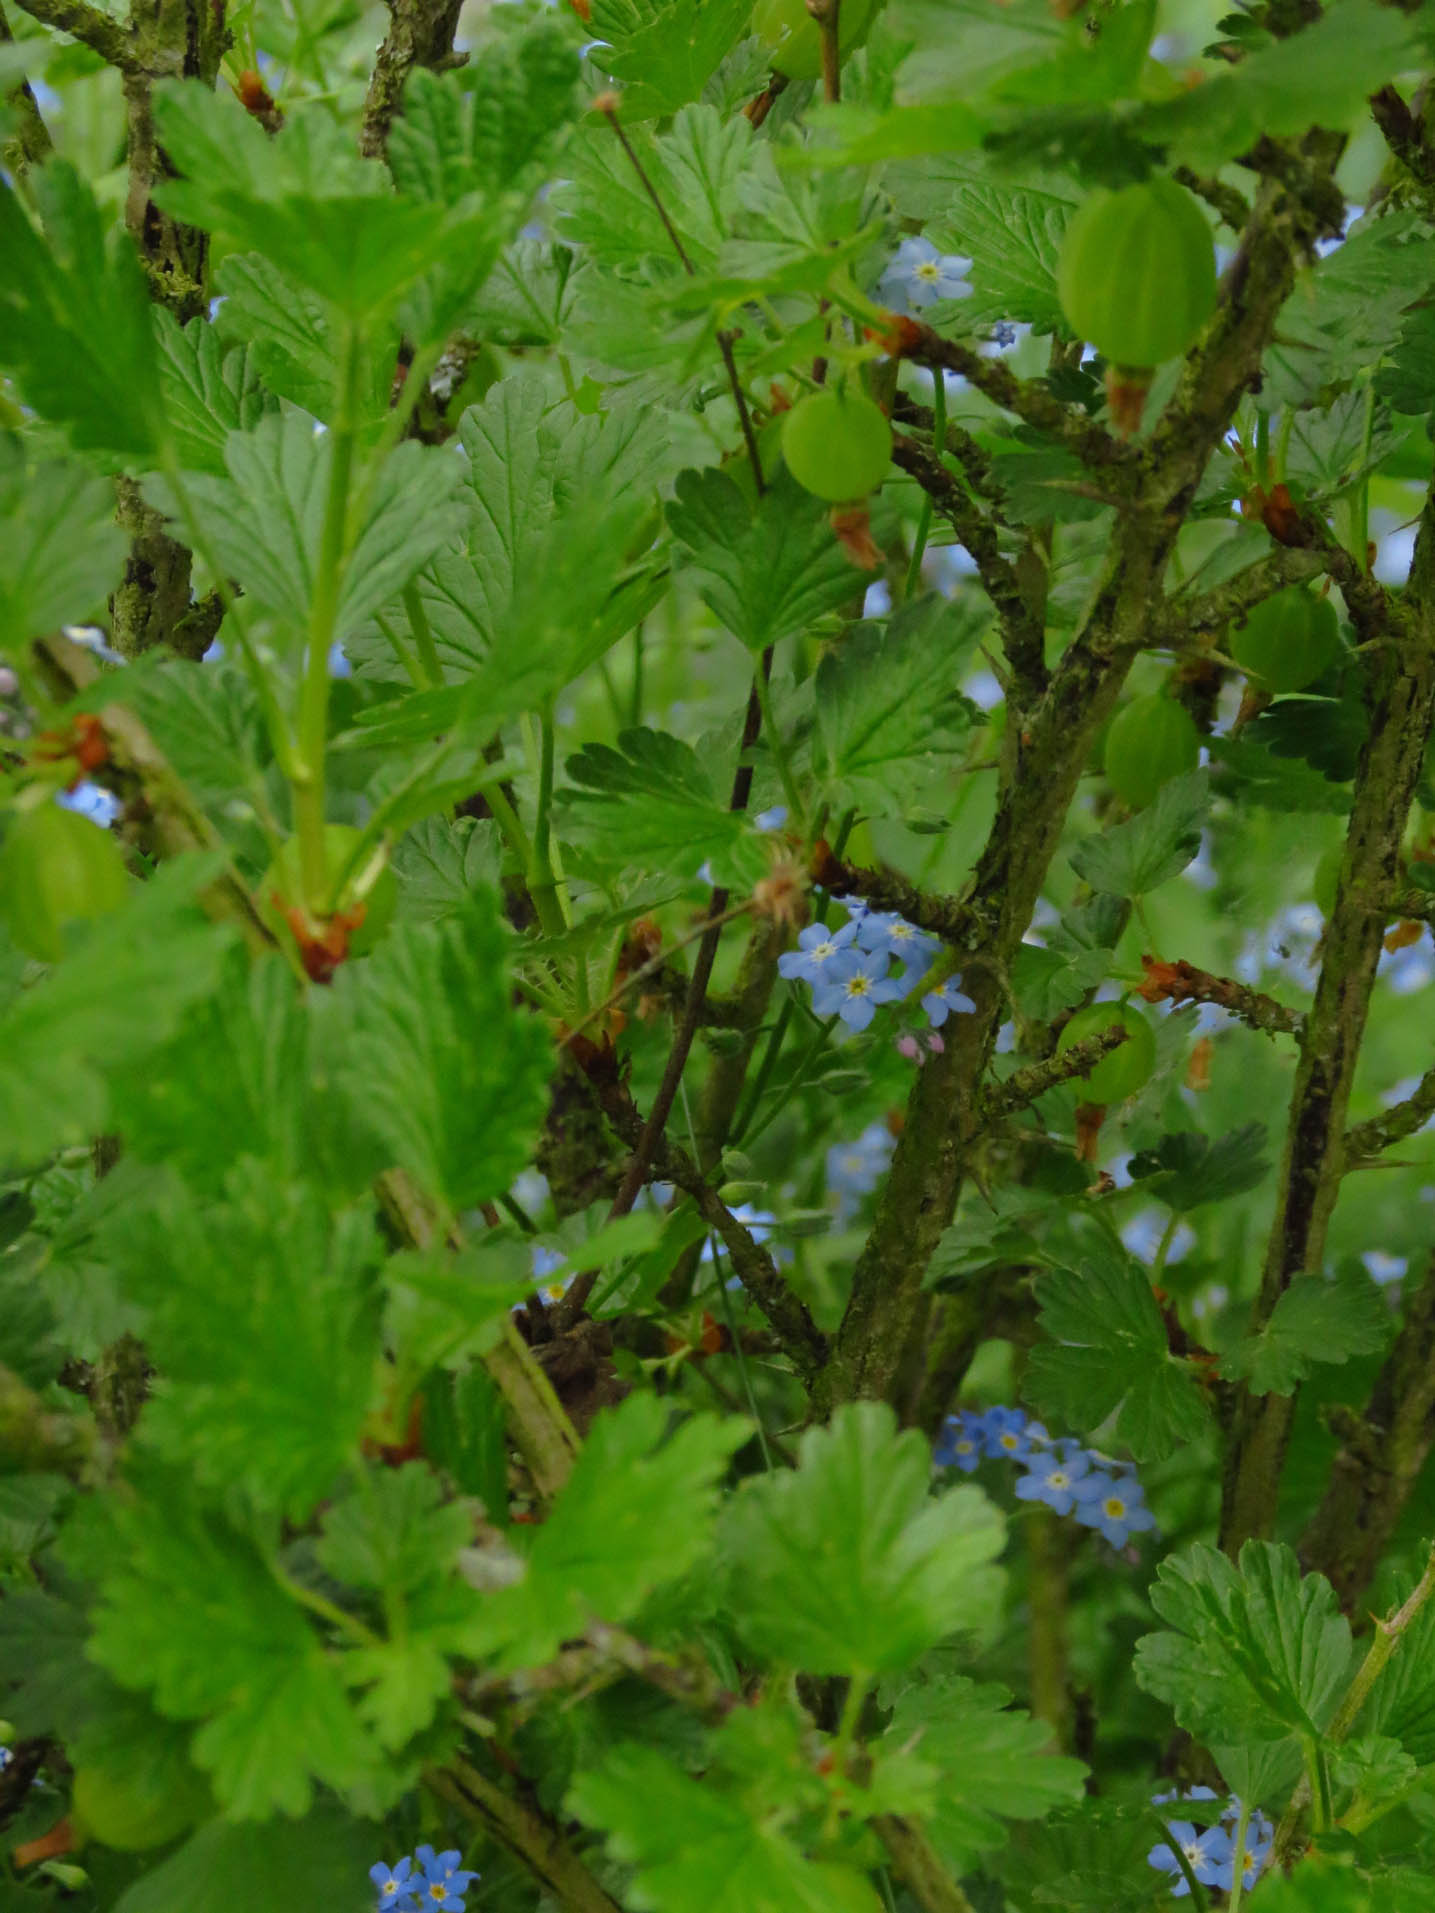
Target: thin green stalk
(1283, 439)
(799, 1077)
(506, 817)
(939, 446)
(637, 712)
(402, 652)
(1360, 503)
(1238, 1874)
(777, 744)
(764, 1072)
(542, 880)
(280, 737)
(725, 1304)
(423, 636)
(852, 1706)
(307, 778)
(1163, 1247)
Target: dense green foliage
(713, 783)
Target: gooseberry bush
(715, 1024)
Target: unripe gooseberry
(1287, 640)
(57, 867)
(121, 1811)
(283, 880)
(794, 39)
(837, 445)
(1122, 1071)
(1137, 273)
(1151, 740)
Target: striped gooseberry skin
(1287, 640)
(1137, 273)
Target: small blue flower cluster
(848, 967)
(855, 1168)
(1060, 1472)
(5, 1758)
(1211, 1853)
(439, 1881)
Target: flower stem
(307, 776)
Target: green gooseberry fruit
(1327, 877)
(1137, 272)
(57, 867)
(794, 39)
(284, 879)
(1150, 741)
(1122, 1071)
(837, 445)
(122, 1812)
(1287, 640)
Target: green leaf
(207, 392)
(1047, 980)
(635, 1516)
(890, 711)
(1186, 1169)
(1089, 1859)
(695, 166)
(290, 337)
(227, 1868)
(1153, 846)
(1316, 1320)
(236, 1654)
(545, 584)
(249, 1301)
(100, 382)
(1402, 1705)
(303, 198)
(653, 803)
(61, 551)
(697, 1850)
(767, 570)
(207, 723)
(436, 1061)
(664, 55)
(440, 863)
(487, 129)
(115, 1000)
(991, 1760)
(265, 519)
(1407, 380)
(1108, 1350)
(1254, 1652)
(1319, 76)
(1013, 239)
(845, 1566)
(397, 1536)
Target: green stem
(542, 880)
(506, 817)
(799, 1077)
(637, 712)
(1263, 448)
(764, 1072)
(939, 446)
(1163, 1247)
(777, 744)
(1360, 503)
(1283, 440)
(423, 636)
(307, 777)
(1238, 1873)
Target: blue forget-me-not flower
(918, 275)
